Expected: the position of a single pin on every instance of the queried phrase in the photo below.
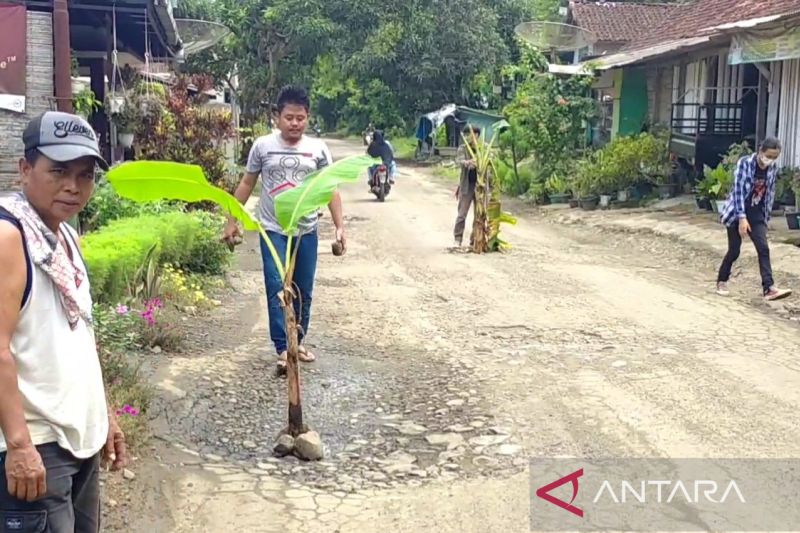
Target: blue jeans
(304, 273)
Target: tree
(549, 115)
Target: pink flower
(122, 309)
(128, 410)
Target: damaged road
(440, 374)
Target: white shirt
(58, 368)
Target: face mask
(766, 162)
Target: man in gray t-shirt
(283, 160)
(283, 165)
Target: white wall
(788, 123)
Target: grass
(404, 147)
(448, 173)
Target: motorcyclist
(368, 133)
(381, 148)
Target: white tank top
(58, 369)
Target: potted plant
(586, 182)
(126, 120)
(557, 189)
(717, 183)
(150, 97)
(84, 103)
(792, 213)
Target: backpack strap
(5, 215)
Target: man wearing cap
(55, 426)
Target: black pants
(72, 502)
(758, 234)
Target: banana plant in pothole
(151, 181)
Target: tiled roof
(700, 17)
(618, 21)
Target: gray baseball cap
(62, 137)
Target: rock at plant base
(284, 446)
(308, 446)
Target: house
(60, 37)
(715, 72)
(614, 25)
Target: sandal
(281, 368)
(305, 356)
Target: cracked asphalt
(439, 374)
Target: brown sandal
(281, 368)
(305, 356)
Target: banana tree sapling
(149, 181)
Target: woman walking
(747, 213)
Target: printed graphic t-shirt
(755, 204)
(283, 167)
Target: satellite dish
(555, 36)
(197, 35)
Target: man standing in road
(55, 426)
(747, 213)
(465, 193)
(283, 159)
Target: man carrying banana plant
(283, 159)
(465, 193)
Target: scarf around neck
(49, 255)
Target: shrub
(106, 206)
(622, 163)
(208, 255)
(117, 336)
(115, 253)
(181, 129)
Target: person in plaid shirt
(747, 213)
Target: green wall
(631, 112)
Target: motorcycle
(317, 130)
(379, 182)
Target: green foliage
(316, 191)
(404, 147)
(155, 181)
(208, 256)
(735, 152)
(180, 129)
(84, 103)
(115, 253)
(717, 182)
(622, 163)
(548, 116)
(394, 58)
(117, 336)
(106, 205)
(556, 184)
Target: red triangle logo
(544, 492)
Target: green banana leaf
(317, 190)
(150, 181)
(497, 217)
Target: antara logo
(645, 491)
(544, 492)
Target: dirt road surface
(440, 373)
